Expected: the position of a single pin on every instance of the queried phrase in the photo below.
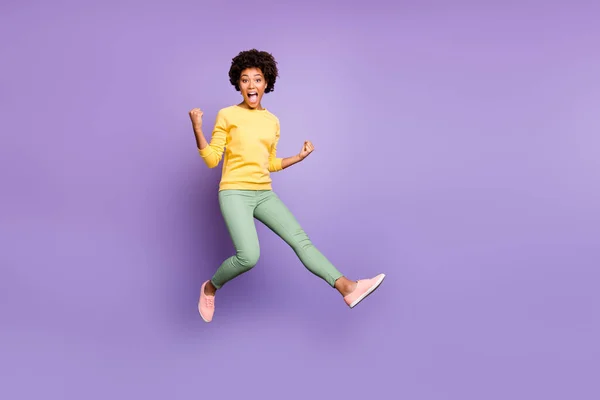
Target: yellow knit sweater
(248, 139)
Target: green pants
(239, 208)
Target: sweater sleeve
(274, 161)
(213, 153)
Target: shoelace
(210, 302)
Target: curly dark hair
(254, 59)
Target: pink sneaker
(206, 305)
(364, 288)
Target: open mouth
(252, 97)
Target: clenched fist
(196, 117)
(307, 148)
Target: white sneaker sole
(368, 292)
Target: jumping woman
(245, 136)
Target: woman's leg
(237, 208)
(276, 216)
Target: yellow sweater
(248, 139)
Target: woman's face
(252, 86)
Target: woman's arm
(201, 141)
(289, 161)
(211, 152)
(307, 148)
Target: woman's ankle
(210, 289)
(345, 286)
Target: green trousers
(239, 209)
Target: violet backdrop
(457, 150)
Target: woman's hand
(307, 148)
(196, 118)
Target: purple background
(457, 150)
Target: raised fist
(307, 148)
(196, 117)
